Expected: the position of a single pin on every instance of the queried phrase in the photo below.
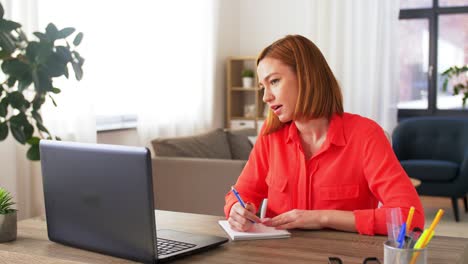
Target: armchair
(435, 151)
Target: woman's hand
(306, 219)
(314, 219)
(239, 217)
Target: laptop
(100, 198)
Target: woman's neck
(312, 134)
(313, 129)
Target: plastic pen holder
(395, 255)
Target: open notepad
(258, 231)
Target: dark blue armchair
(435, 151)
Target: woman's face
(279, 82)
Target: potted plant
(7, 217)
(29, 68)
(247, 78)
(459, 78)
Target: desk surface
(33, 246)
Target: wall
(227, 44)
(264, 21)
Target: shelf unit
(244, 105)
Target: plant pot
(8, 227)
(247, 82)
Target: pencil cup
(395, 255)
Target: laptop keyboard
(166, 246)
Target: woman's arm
(314, 219)
(389, 183)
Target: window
(433, 37)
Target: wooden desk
(310, 247)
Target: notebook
(258, 231)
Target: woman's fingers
(248, 212)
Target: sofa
(193, 174)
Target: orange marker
(409, 220)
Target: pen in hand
(239, 198)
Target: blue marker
(239, 198)
(401, 236)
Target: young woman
(318, 166)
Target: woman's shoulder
(359, 125)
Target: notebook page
(258, 231)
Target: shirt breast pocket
(339, 192)
(279, 200)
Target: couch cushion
(239, 143)
(213, 144)
(430, 170)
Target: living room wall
(245, 27)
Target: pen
(264, 208)
(409, 219)
(401, 236)
(239, 198)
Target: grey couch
(192, 174)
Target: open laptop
(100, 198)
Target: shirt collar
(335, 134)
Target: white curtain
(359, 39)
(179, 98)
(71, 120)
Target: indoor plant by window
(247, 78)
(29, 68)
(7, 217)
(459, 78)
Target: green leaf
(41, 36)
(3, 131)
(33, 152)
(38, 100)
(33, 141)
(78, 39)
(24, 84)
(3, 107)
(444, 85)
(78, 58)
(28, 130)
(36, 116)
(41, 79)
(4, 54)
(53, 101)
(66, 32)
(18, 133)
(55, 65)
(52, 32)
(8, 26)
(42, 128)
(45, 50)
(20, 127)
(64, 53)
(2, 11)
(78, 71)
(15, 68)
(7, 43)
(11, 81)
(66, 72)
(56, 90)
(16, 100)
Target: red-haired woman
(318, 166)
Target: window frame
(432, 15)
